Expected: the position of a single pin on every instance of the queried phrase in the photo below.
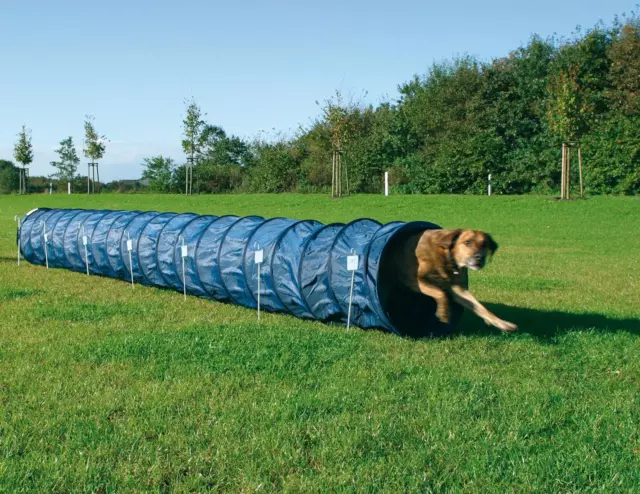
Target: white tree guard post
(258, 259)
(184, 251)
(489, 186)
(69, 188)
(352, 265)
(386, 183)
(129, 249)
(46, 241)
(86, 256)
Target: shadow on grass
(546, 325)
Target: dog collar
(454, 265)
(456, 269)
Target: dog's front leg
(443, 313)
(466, 299)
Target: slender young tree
(193, 126)
(23, 153)
(94, 148)
(68, 161)
(338, 115)
(568, 109)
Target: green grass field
(104, 388)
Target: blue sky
(252, 66)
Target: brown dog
(435, 263)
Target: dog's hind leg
(443, 311)
(467, 300)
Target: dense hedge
(465, 119)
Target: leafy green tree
(336, 112)
(315, 170)
(613, 150)
(23, 153)
(193, 129)
(341, 118)
(178, 178)
(624, 53)
(567, 108)
(279, 164)
(94, 145)
(578, 84)
(447, 117)
(220, 150)
(67, 164)
(158, 170)
(222, 162)
(9, 177)
(522, 148)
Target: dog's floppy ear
(449, 239)
(492, 245)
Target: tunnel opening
(410, 313)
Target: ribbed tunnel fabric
(303, 273)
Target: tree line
(447, 131)
(450, 128)
(16, 178)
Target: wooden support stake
(562, 180)
(580, 166)
(346, 176)
(334, 189)
(568, 178)
(339, 174)
(336, 176)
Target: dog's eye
(467, 243)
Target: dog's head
(469, 248)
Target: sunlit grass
(104, 387)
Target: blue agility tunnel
(303, 272)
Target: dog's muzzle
(476, 262)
